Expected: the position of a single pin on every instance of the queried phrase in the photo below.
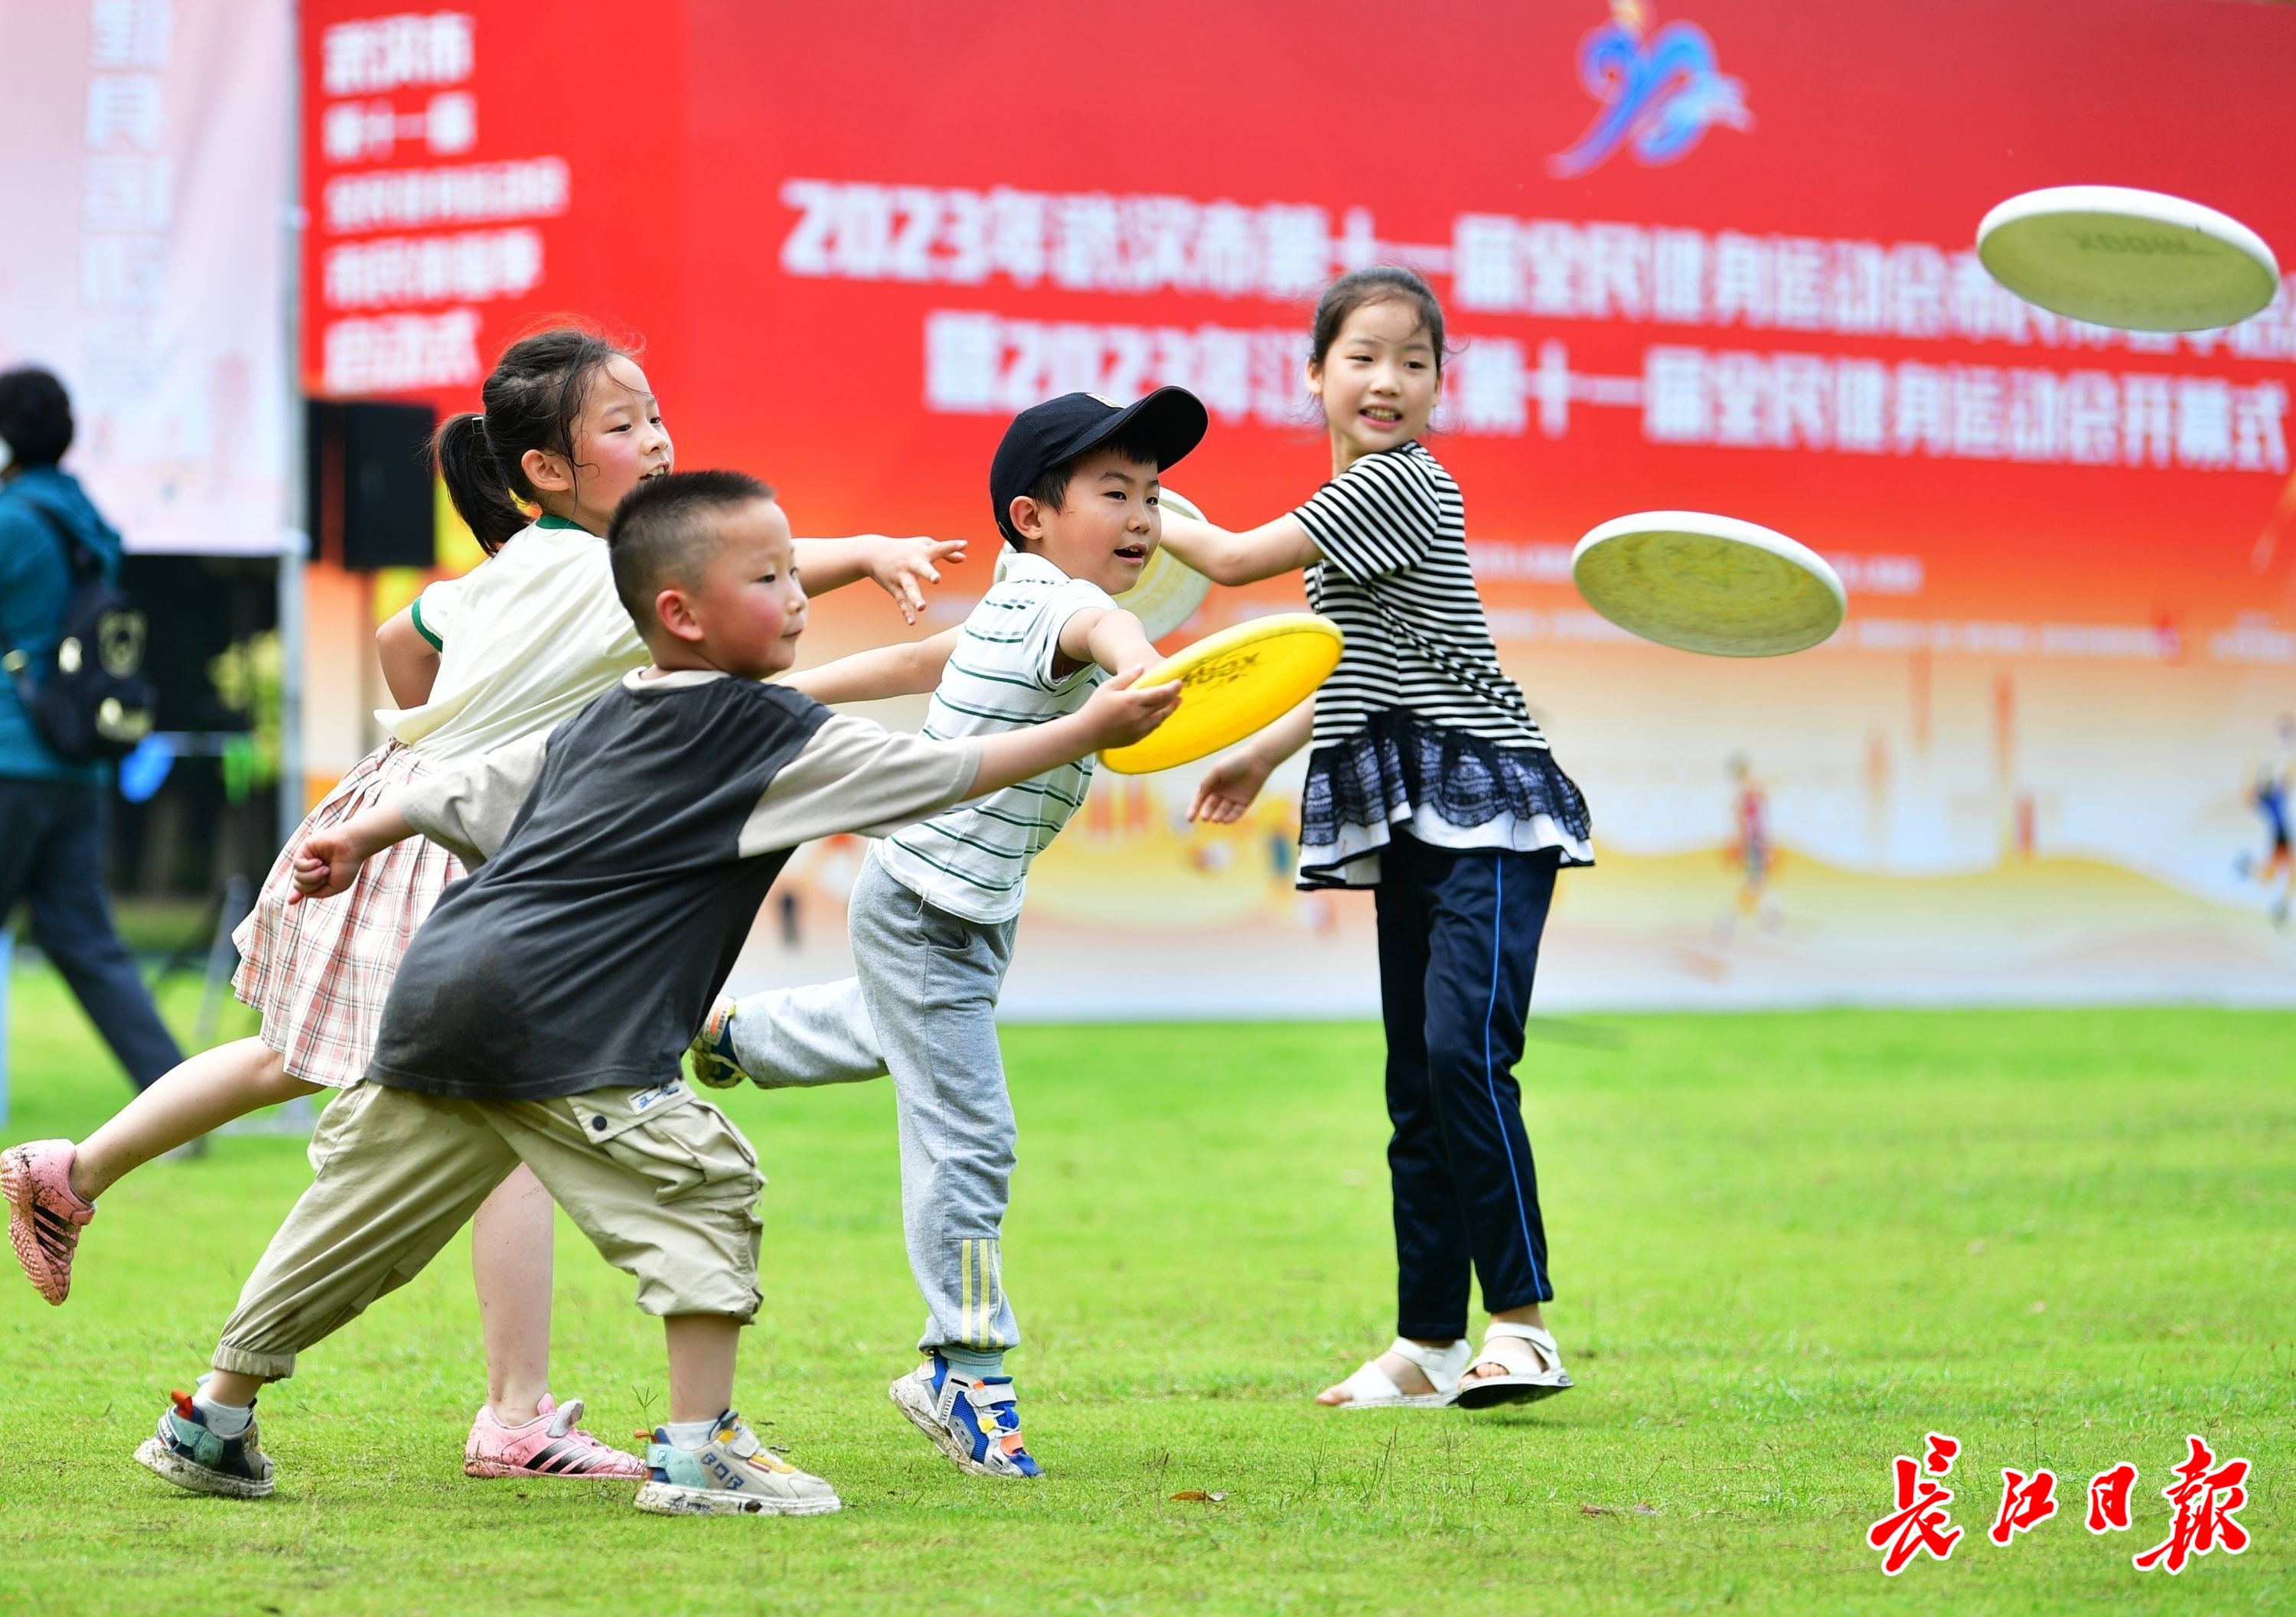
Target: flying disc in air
(1710, 584)
(2136, 260)
(1232, 683)
(1167, 591)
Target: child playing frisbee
(1073, 486)
(570, 424)
(1431, 783)
(538, 1016)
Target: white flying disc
(1166, 593)
(1169, 590)
(2135, 259)
(1710, 584)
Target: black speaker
(368, 473)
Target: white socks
(688, 1435)
(225, 1420)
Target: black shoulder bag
(95, 705)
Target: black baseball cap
(1172, 420)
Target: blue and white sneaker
(976, 1424)
(190, 1456)
(712, 1049)
(732, 1474)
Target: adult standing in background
(53, 809)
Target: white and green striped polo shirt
(973, 860)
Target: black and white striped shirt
(1394, 577)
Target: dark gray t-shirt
(641, 836)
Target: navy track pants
(1459, 947)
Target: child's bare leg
(230, 1387)
(208, 1090)
(701, 1352)
(511, 1264)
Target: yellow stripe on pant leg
(965, 1269)
(992, 1281)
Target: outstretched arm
(1118, 713)
(909, 669)
(1265, 552)
(1113, 639)
(468, 810)
(329, 860)
(854, 775)
(901, 568)
(1229, 786)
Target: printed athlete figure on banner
(1750, 852)
(570, 424)
(1073, 487)
(2267, 795)
(539, 1015)
(1430, 783)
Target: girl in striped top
(1429, 783)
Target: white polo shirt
(526, 640)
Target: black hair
(1362, 288)
(35, 417)
(661, 533)
(533, 398)
(1051, 489)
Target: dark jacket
(35, 585)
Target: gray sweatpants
(924, 1008)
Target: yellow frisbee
(1232, 683)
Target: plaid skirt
(319, 972)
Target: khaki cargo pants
(664, 1186)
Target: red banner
(1716, 256)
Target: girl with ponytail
(570, 424)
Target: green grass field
(1786, 1247)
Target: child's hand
(1121, 712)
(1229, 787)
(902, 568)
(326, 864)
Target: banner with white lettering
(143, 244)
(1713, 254)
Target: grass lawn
(1786, 1247)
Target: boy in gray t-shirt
(1074, 488)
(540, 1012)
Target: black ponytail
(532, 399)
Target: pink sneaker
(45, 1214)
(553, 1444)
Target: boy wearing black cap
(1073, 486)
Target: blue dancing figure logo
(1660, 92)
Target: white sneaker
(732, 1474)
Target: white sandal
(1531, 1362)
(1373, 1388)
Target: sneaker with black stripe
(553, 1444)
(45, 1214)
